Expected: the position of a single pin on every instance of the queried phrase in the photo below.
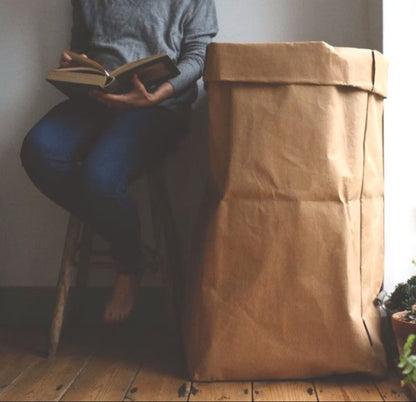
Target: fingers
(109, 98)
(138, 97)
(112, 101)
(66, 56)
(138, 84)
(140, 89)
(66, 60)
(112, 98)
(97, 95)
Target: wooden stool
(78, 253)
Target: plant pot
(402, 329)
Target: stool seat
(78, 252)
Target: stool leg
(64, 282)
(166, 243)
(82, 276)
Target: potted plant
(404, 295)
(407, 364)
(397, 324)
(404, 324)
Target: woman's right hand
(66, 60)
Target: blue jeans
(83, 156)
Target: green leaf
(408, 361)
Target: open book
(89, 74)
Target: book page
(78, 78)
(151, 70)
(86, 70)
(85, 61)
(132, 65)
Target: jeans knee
(39, 158)
(26, 150)
(98, 181)
(34, 148)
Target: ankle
(124, 272)
(127, 281)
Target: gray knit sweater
(115, 32)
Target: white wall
(399, 34)
(32, 34)
(32, 229)
(339, 22)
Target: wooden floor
(117, 364)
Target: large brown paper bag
(288, 256)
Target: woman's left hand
(137, 97)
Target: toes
(114, 316)
(109, 316)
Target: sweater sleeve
(79, 33)
(200, 27)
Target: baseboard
(28, 306)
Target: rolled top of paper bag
(315, 63)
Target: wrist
(164, 91)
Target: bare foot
(122, 299)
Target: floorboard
(221, 391)
(108, 373)
(284, 391)
(391, 390)
(19, 351)
(45, 380)
(347, 389)
(124, 364)
(162, 376)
